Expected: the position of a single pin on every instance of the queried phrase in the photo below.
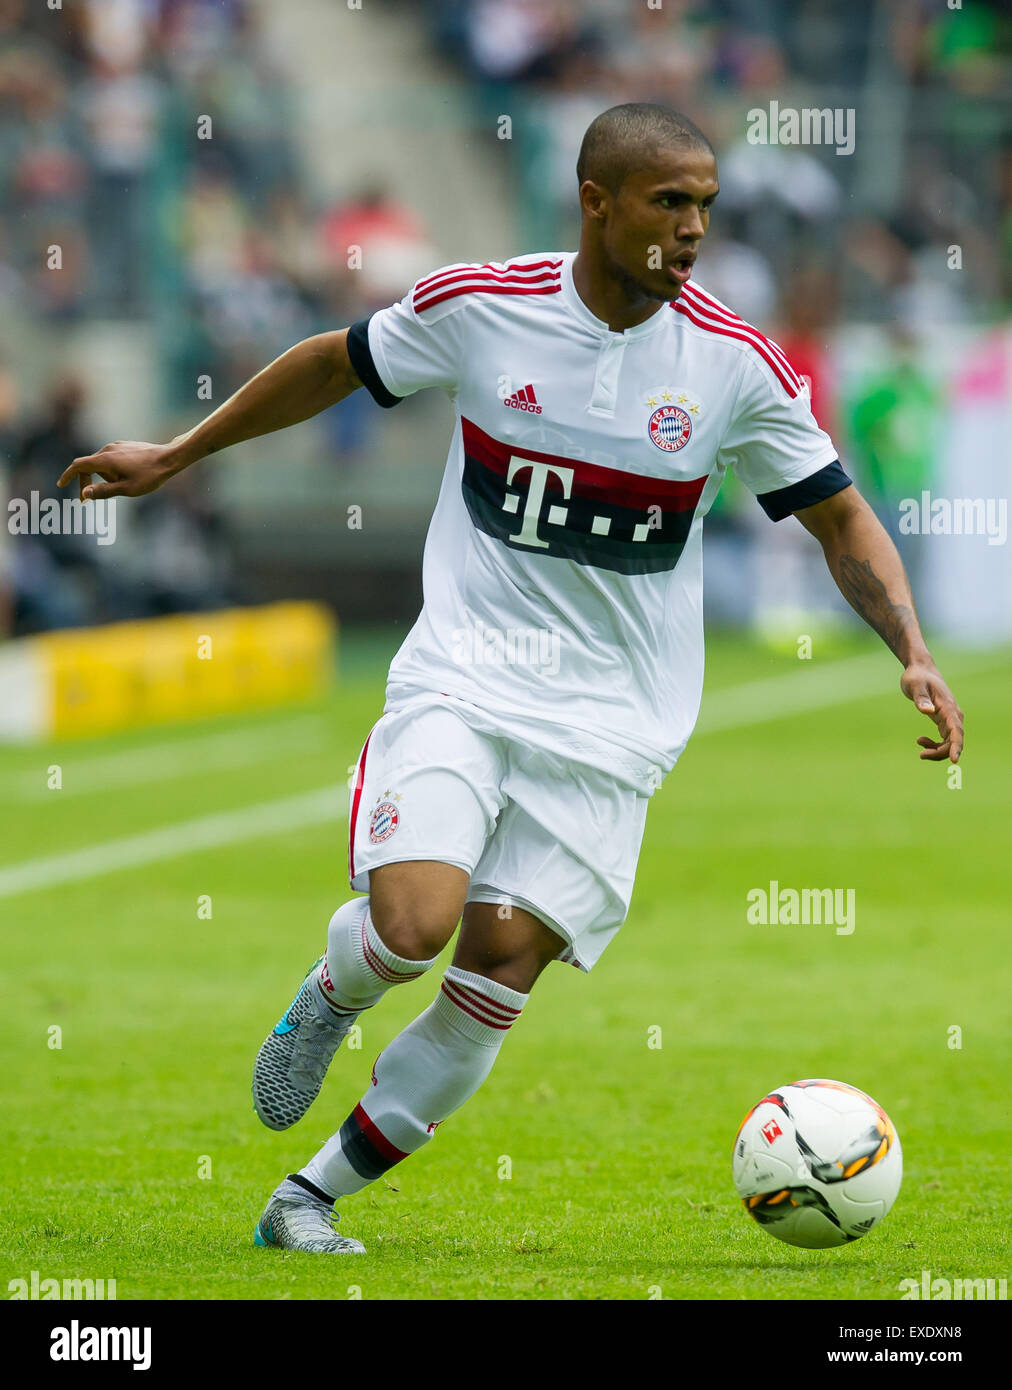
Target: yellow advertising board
(87, 681)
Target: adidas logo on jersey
(524, 399)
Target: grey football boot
(296, 1220)
(294, 1057)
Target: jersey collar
(579, 310)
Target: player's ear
(593, 199)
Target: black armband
(362, 360)
(783, 501)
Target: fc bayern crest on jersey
(670, 428)
(384, 822)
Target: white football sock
(358, 969)
(426, 1073)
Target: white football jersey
(563, 568)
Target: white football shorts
(436, 780)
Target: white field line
(170, 841)
(162, 762)
(796, 692)
(755, 702)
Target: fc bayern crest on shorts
(384, 822)
(669, 428)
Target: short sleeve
(413, 344)
(775, 447)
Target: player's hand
(129, 468)
(922, 682)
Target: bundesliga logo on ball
(669, 428)
(817, 1163)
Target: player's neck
(617, 304)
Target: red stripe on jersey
(497, 277)
(529, 395)
(703, 300)
(713, 308)
(378, 1140)
(472, 1013)
(484, 272)
(499, 287)
(441, 277)
(592, 480)
(359, 779)
(715, 317)
(727, 331)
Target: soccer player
(554, 674)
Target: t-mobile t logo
(528, 533)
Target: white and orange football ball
(817, 1163)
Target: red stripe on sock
(373, 961)
(378, 1140)
(485, 1001)
(379, 967)
(472, 1013)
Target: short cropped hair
(617, 141)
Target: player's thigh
(506, 944)
(425, 801)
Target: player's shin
(428, 1071)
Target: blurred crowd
(154, 142)
(91, 95)
(229, 251)
(220, 243)
(931, 79)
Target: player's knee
(411, 932)
(415, 906)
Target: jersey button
(604, 396)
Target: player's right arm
(309, 377)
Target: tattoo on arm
(867, 595)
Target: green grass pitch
(131, 1151)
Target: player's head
(647, 177)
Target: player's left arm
(870, 575)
